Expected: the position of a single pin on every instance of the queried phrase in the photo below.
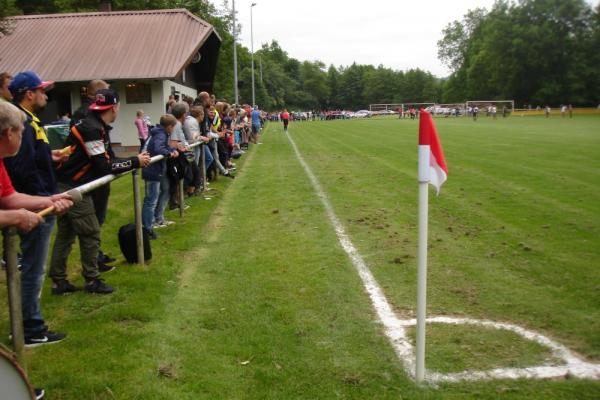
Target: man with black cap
(89, 160)
(31, 170)
(100, 195)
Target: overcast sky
(399, 34)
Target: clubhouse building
(144, 55)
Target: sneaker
(39, 393)
(157, 225)
(105, 267)
(98, 286)
(167, 222)
(63, 287)
(108, 259)
(152, 235)
(47, 337)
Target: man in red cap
(89, 160)
(31, 171)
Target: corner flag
(432, 170)
(432, 165)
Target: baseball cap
(28, 80)
(105, 99)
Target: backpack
(128, 245)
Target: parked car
(362, 114)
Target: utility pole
(235, 75)
(252, 49)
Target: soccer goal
(490, 108)
(385, 107)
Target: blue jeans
(208, 157)
(155, 202)
(34, 250)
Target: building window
(138, 93)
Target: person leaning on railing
(156, 177)
(89, 160)
(16, 210)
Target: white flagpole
(424, 152)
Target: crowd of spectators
(36, 178)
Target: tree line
(533, 51)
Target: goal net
(491, 108)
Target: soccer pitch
(251, 295)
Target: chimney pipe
(105, 6)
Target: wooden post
(137, 206)
(13, 281)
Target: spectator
(89, 160)
(142, 128)
(29, 165)
(191, 130)
(90, 90)
(204, 129)
(179, 142)
(99, 196)
(32, 172)
(5, 94)
(14, 206)
(156, 177)
(475, 112)
(170, 102)
(224, 134)
(214, 130)
(256, 125)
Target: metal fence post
(203, 167)
(13, 281)
(181, 197)
(137, 206)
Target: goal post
(491, 107)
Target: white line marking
(395, 328)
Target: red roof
(154, 44)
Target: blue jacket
(158, 144)
(31, 170)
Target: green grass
(250, 295)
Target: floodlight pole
(235, 72)
(252, 52)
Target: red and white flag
(432, 165)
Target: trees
(7, 8)
(536, 51)
(286, 81)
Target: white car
(362, 114)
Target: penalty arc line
(395, 328)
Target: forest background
(536, 52)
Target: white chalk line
(395, 328)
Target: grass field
(251, 296)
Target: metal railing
(10, 243)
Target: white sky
(398, 34)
